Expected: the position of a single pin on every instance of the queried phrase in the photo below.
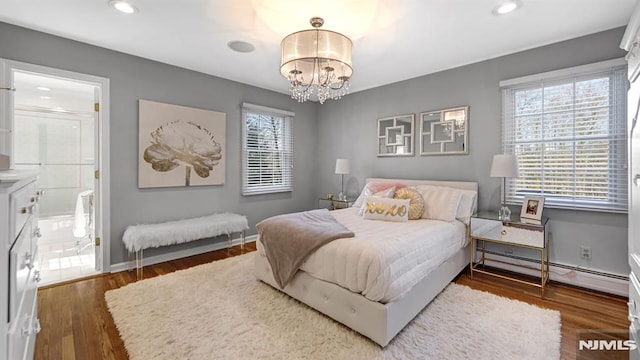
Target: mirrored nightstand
(485, 227)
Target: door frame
(103, 223)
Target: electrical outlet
(585, 252)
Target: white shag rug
(220, 311)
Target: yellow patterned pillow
(379, 208)
(416, 202)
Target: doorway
(57, 128)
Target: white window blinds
(267, 150)
(568, 130)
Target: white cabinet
(5, 146)
(631, 43)
(6, 111)
(19, 275)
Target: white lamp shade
(342, 166)
(505, 166)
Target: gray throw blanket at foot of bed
(288, 239)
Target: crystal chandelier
(318, 59)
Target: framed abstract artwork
(444, 132)
(180, 146)
(395, 135)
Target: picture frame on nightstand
(532, 207)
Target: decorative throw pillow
(388, 193)
(379, 186)
(386, 209)
(378, 189)
(441, 204)
(416, 202)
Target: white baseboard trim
(123, 266)
(609, 284)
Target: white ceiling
(393, 40)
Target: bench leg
(229, 241)
(139, 265)
(242, 241)
(131, 261)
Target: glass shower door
(60, 146)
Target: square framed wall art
(444, 132)
(395, 135)
(180, 146)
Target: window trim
(581, 70)
(567, 75)
(288, 117)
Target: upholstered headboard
(465, 185)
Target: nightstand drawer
(522, 236)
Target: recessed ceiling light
(45, 97)
(123, 6)
(241, 46)
(43, 88)
(506, 7)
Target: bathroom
(55, 126)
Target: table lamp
(342, 167)
(504, 166)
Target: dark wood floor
(77, 325)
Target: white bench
(139, 237)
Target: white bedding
(385, 259)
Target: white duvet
(385, 259)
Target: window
(568, 130)
(267, 150)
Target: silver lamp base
(504, 213)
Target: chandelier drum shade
(316, 58)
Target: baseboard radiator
(573, 275)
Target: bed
(380, 308)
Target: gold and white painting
(180, 146)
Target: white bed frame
(377, 321)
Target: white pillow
(467, 206)
(386, 209)
(468, 200)
(366, 193)
(360, 200)
(440, 204)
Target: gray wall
(322, 133)
(347, 128)
(133, 78)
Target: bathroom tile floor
(59, 258)
(61, 262)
